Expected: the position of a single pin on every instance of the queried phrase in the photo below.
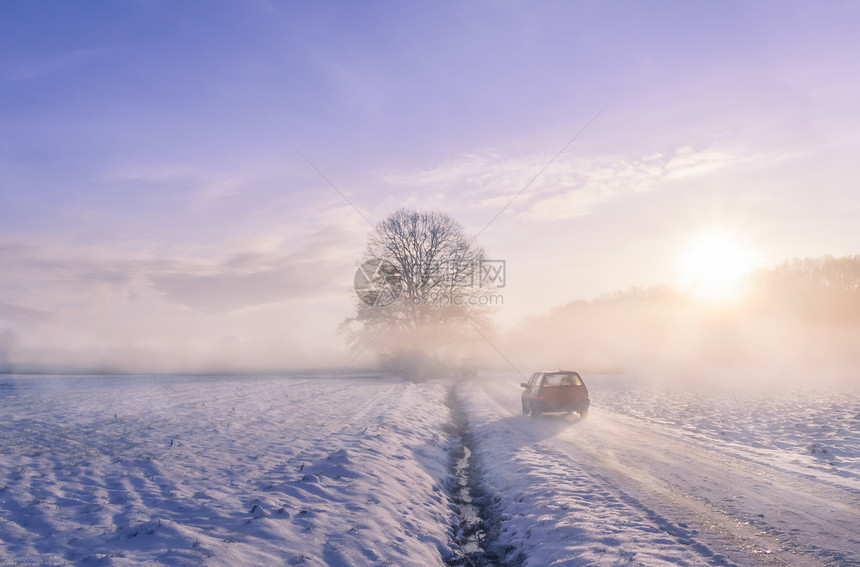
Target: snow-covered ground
(661, 475)
(813, 431)
(357, 471)
(222, 471)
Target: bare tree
(424, 294)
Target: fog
(271, 304)
(797, 324)
(794, 325)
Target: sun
(714, 264)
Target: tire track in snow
(560, 504)
(771, 516)
(700, 483)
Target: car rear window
(562, 379)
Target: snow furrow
(223, 471)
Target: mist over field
(797, 324)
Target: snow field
(223, 471)
(660, 475)
(357, 471)
(811, 431)
(554, 511)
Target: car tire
(535, 413)
(525, 409)
(583, 413)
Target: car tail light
(540, 398)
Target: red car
(555, 392)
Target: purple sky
(149, 211)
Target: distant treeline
(799, 315)
(825, 289)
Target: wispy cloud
(205, 188)
(40, 277)
(484, 174)
(279, 291)
(686, 162)
(602, 180)
(11, 312)
(249, 280)
(571, 187)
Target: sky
(189, 186)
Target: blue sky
(147, 205)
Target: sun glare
(714, 264)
